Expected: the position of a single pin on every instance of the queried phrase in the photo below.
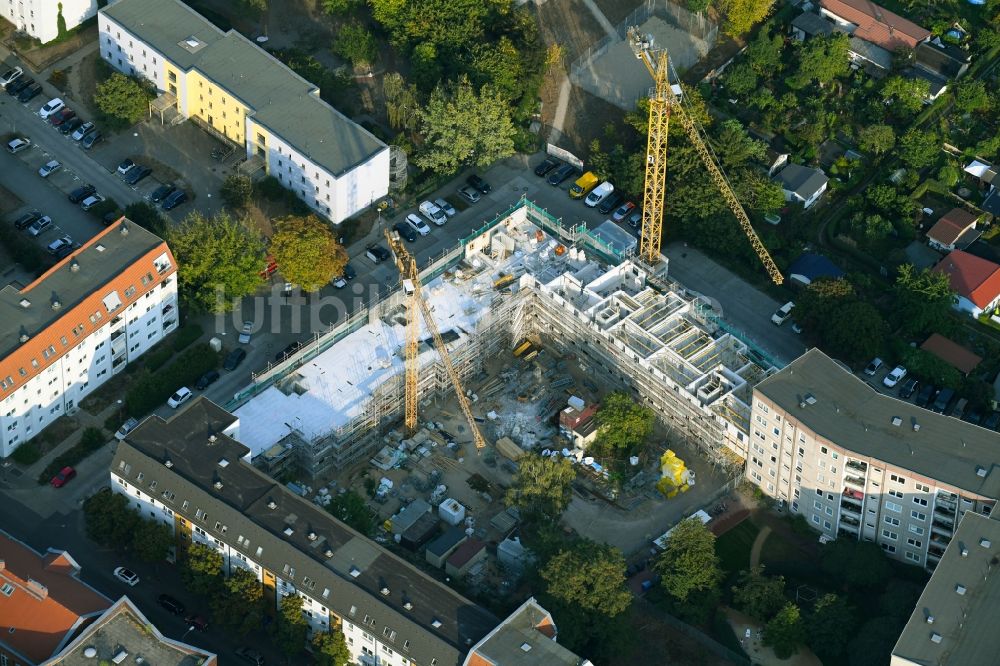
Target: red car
(63, 477)
(58, 119)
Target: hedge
(30, 255)
(91, 440)
(27, 454)
(186, 335)
(153, 389)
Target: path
(748, 633)
(758, 545)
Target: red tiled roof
(976, 279)
(951, 225)
(877, 24)
(466, 552)
(951, 353)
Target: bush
(186, 335)
(29, 255)
(151, 390)
(147, 217)
(103, 208)
(158, 358)
(27, 454)
(269, 188)
(91, 440)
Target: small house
(952, 353)
(955, 229)
(468, 555)
(975, 281)
(579, 425)
(439, 550)
(802, 184)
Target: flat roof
(280, 99)
(526, 638)
(961, 600)
(848, 412)
(293, 537)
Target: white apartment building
(244, 96)
(40, 18)
(191, 474)
(858, 464)
(79, 324)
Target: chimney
(74, 266)
(38, 589)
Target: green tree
(236, 191)
(628, 170)
(877, 139)
(919, 148)
(785, 632)
(461, 127)
(741, 79)
(330, 648)
(425, 69)
(906, 95)
(147, 217)
(829, 622)
(757, 192)
(500, 65)
(219, 259)
(123, 100)
(291, 627)
(871, 227)
(972, 97)
(455, 24)
(823, 60)
(928, 367)
(764, 54)
(757, 595)
(870, 645)
(623, 425)
(697, 6)
(152, 540)
(599, 161)
(355, 44)
(591, 577)
(948, 176)
(856, 333)
(542, 487)
(741, 15)
(734, 146)
(256, 6)
(239, 607)
(340, 7)
(351, 508)
(688, 564)
(109, 521)
(60, 21)
(855, 564)
(306, 251)
(987, 39)
(923, 300)
(201, 570)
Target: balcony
(946, 520)
(852, 520)
(847, 511)
(853, 496)
(117, 334)
(942, 530)
(118, 350)
(849, 531)
(857, 466)
(168, 324)
(167, 308)
(117, 320)
(944, 506)
(855, 481)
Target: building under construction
(523, 276)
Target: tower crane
(407, 265)
(661, 103)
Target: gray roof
(506, 645)
(937, 83)
(945, 60)
(964, 623)
(813, 24)
(991, 204)
(250, 504)
(804, 181)
(449, 539)
(849, 412)
(281, 100)
(871, 52)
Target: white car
(432, 213)
(49, 168)
(417, 224)
(82, 131)
(60, 243)
(17, 145)
(782, 314)
(873, 367)
(127, 576)
(245, 332)
(11, 76)
(91, 201)
(895, 376)
(448, 209)
(53, 106)
(177, 399)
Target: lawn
(733, 547)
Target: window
(916, 530)
(891, 521)
(887, 548)
(897, 479)
(823, 450)
(892, 506)
(130, 292)
(818, 506)
(918, 515)
(913, 557)
(916, 543)
(890, 535)
(776, 431)
(7, 589)
(896, 493)
(920, 500)
(816, 519)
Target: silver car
(49, 168)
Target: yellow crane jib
(661, 102)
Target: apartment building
(526, 638)
(190, 473)
(40, 18)
(243, 95)
(858, 464)
(79, 324)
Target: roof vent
(124, 229)
(222, 461)
(168, 463)
(981, 471)
(408, 605)
(312, 536)
(385, 592)
(218, 485)
(985, 543)
(935, 637)
(55, 302)
(211, 439)
(24, 337)
(25, 303)
(90, 652)
(436, 623)
(810, 399)
(328, 553)
(355, 572)
(272, 505)
(100, 247)
(289, 531)
(960, 589)
(916, 426)
(74, 266)
(963, 550)
(930, 619)
(525, 647)
(896, 421)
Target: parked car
(249, 655)
(27, 220)
(782, 314)
(405, 231)
(349, 272)
(182, 395)
(54, 105)
(111, 217)
(895, 376)
(161, 193)
(926, 395)
(448, 209)
(125, 166)
(17, 145)
(287, 351)
(908, 388)
(796, 327)
(40, 225)
(418, 224)
(943, 400)
(477, 182)
(377, 253)
(340, 282)
(623, 211)
(19, 84)
(545, 167)
(599, 194)
(873, 367)
(63, 477)
(10, 76)
(635, 219)
(81, 193)
(206, 380)
(88, 141)
(246, 332)
(136, 174)
(126, 428)
(49, 168)
(433, 214)
(174, 200)
(57, 119)
(560, 175)
(171, 604)
(469, 194)
(611, 203)
(29, 93)
(973, 416)
(991, 421)
(127, 576)
(91, 201)
(197, 622)
(234, 358)
(83, 130)
(57, 244)
(70, 126)
(63, 252)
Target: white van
(599, 194)
(782, 314)
(433, 213)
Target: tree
(759, 596)
(735, 147)
(972, 97)
(236, 191)
(455, 24)
(764, 54)
(424, 66)
(202, 570)
(500, 65)
(697, 6)
(147, 217)
(591, 577)
(256, 5)
(240, 606)
(907, 95)
(339, 7)
(822, 59)
(623, 425)
(855, 564)
(919, 148)
(741, 15)
(870, 227)
(351, 508)
(741, 79)
(542, 487)
(219, 259)
(757, 192)
(123, 100)
(877, 139)
(689, 564)
(928, 367)
(826, 626)
(870, 645)
(785, 633)
(330, 648)
(152, 540)
(923, 300)
(355, 44)
(948, 176)
(109, 520)
(461, 127)
(291, 626)
(599, 161)
(856, 333)
(306, 251)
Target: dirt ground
(39, 57)
(662, 643)
(764, 656)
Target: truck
(782, 314)
(583, 185)
(599, 194)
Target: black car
(81, 193)
(610, 203)
(171, 604)
(926, 395)
(377, 253)
(27, 220)
(252, 656)
(908, 388)
(206, 380)
(349, 272)
(234, 358)
(405, 231)
(548, 165)
(287, 351)
(973, 416)
(174, 200)
(136, 174)
(161, 193)
(88, 141)
(991, 421)
(70, 126)
(20, 84)
(559, 176)
(478, 183)
(29, 93)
